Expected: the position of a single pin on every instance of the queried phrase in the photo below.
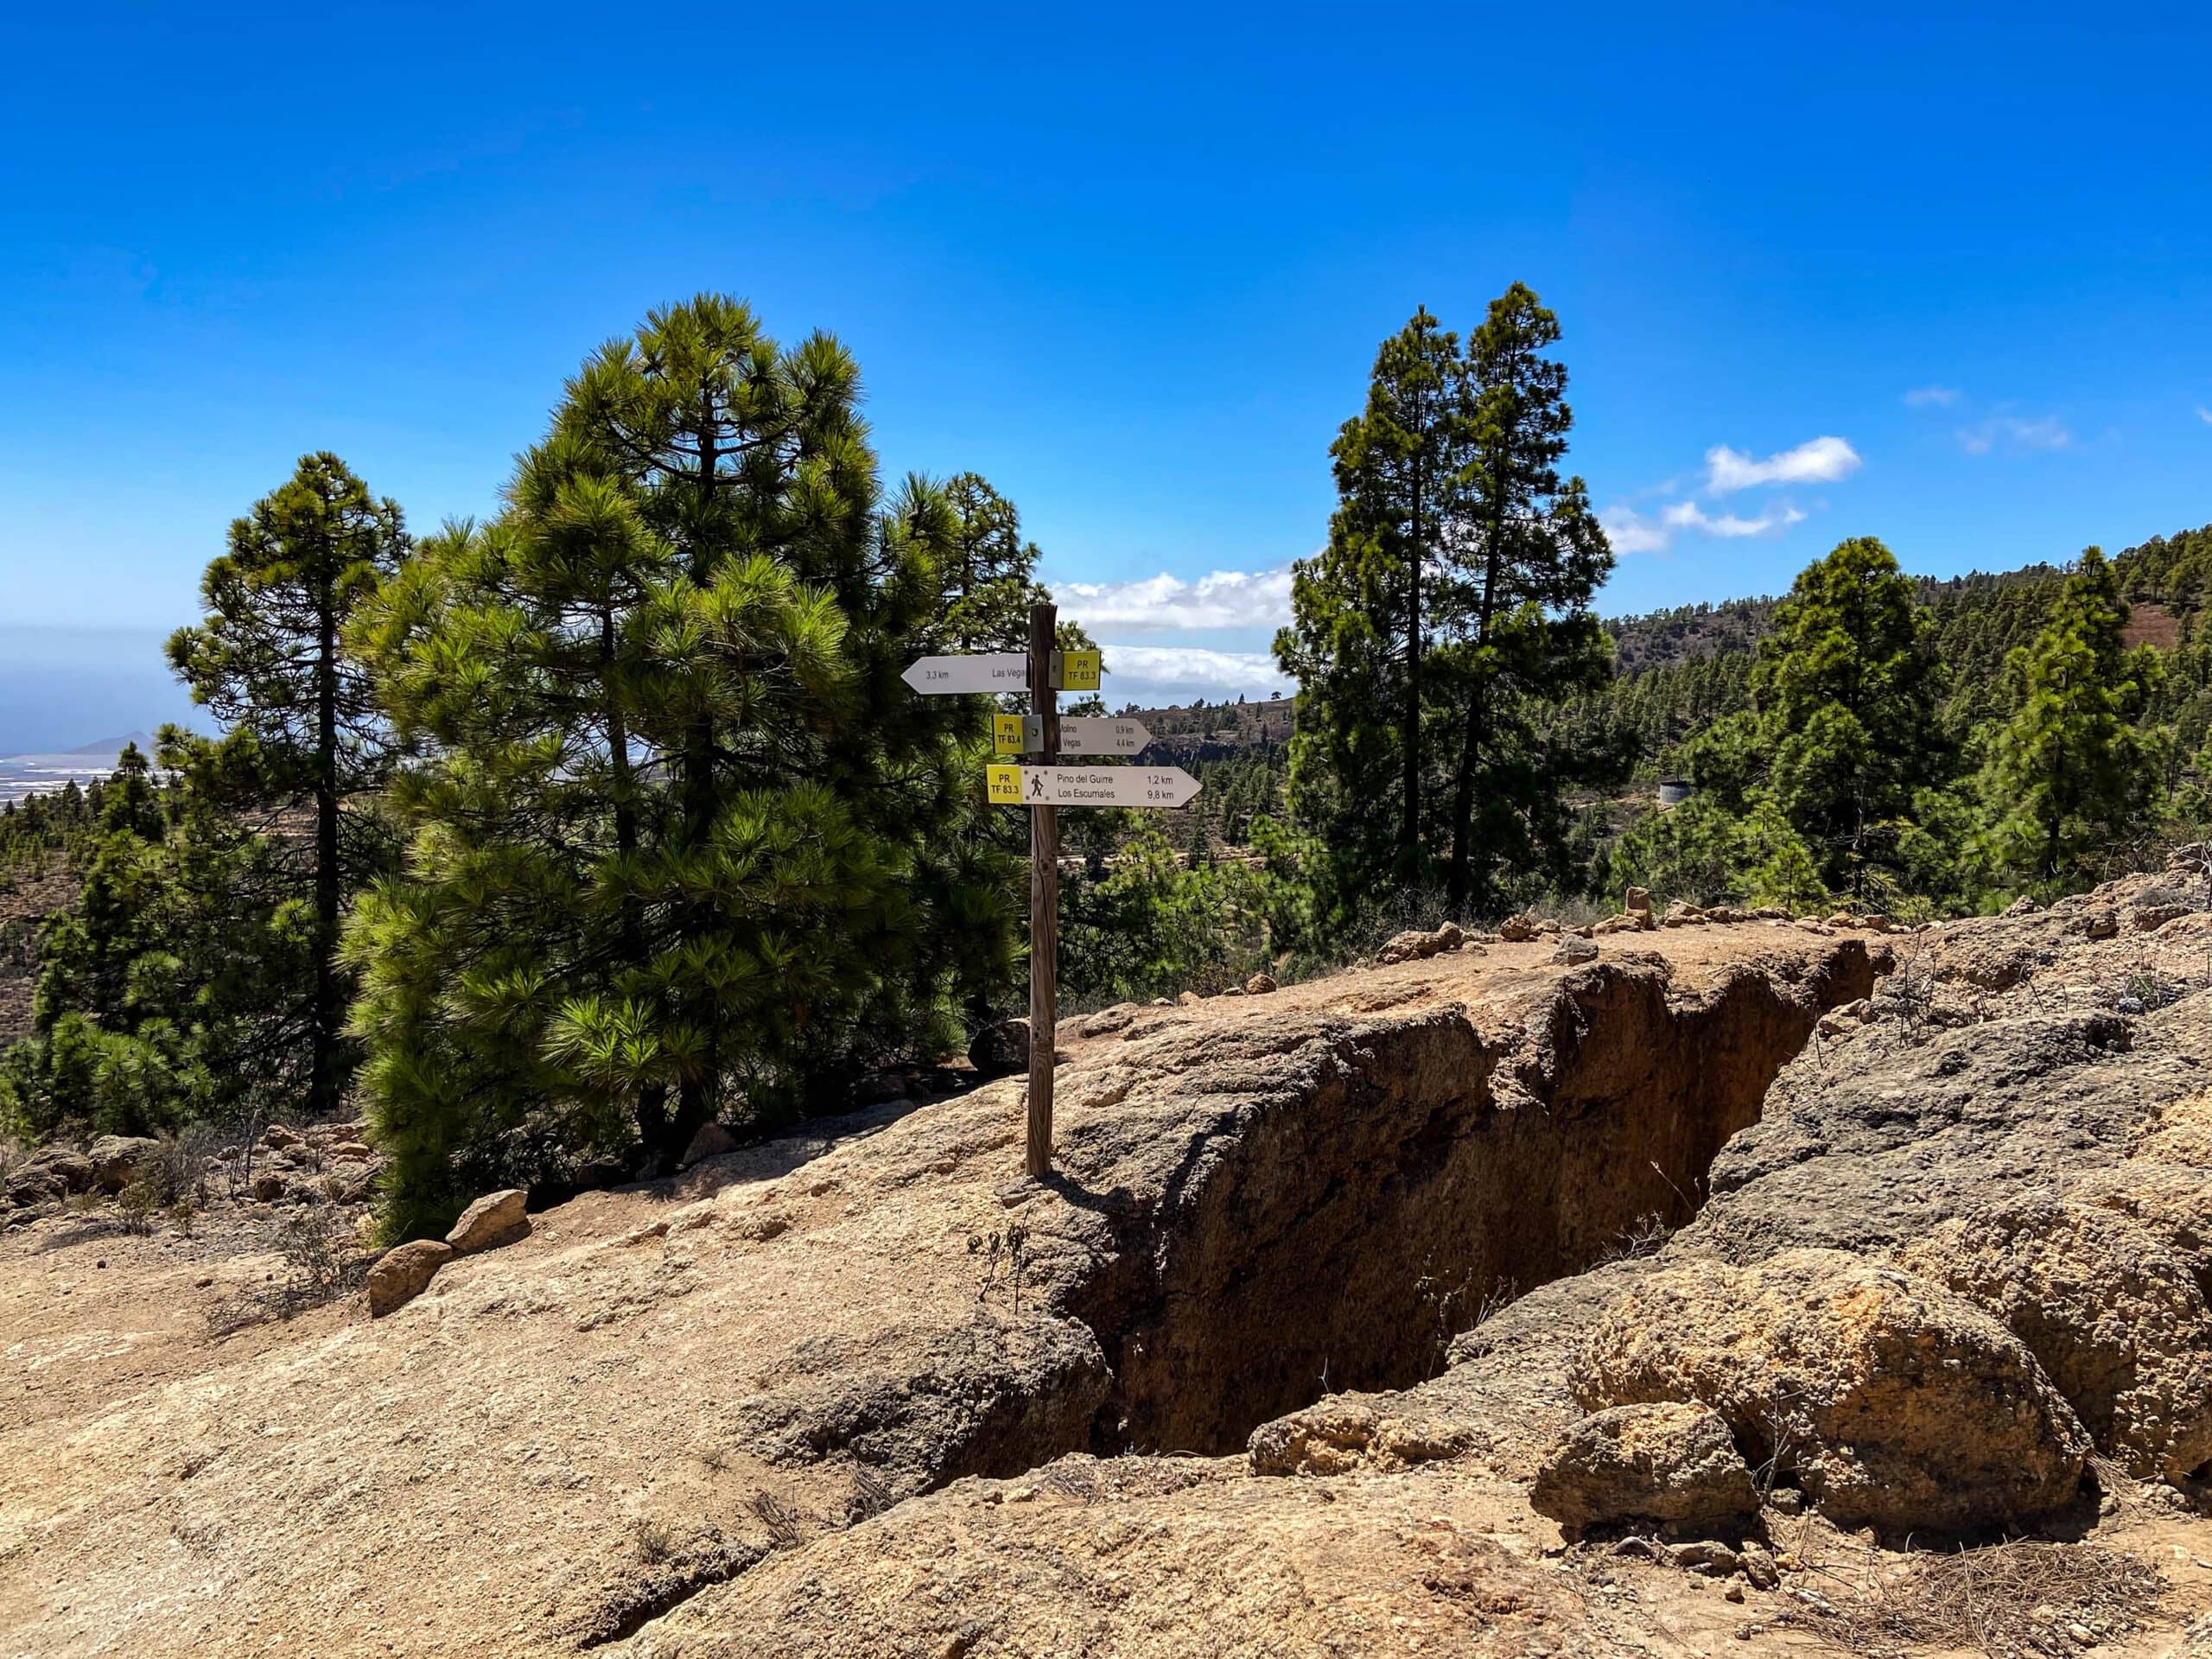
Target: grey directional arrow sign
(1104, 785)
(989, 671)
(1091, 734)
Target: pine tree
(1360, 623)
(1526, 554)
(685, 845)
(1848, 685)
(270, 660)
(2071, 772)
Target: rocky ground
(1741, 1288)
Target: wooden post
(1044, 895)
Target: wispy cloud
(1688, 515)
(1149, 674)
(1629, 532)
(2204, 415)
(1817, 461)
(2011, 431)
(1931, 398)
(1223, 599)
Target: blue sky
(1942, 275)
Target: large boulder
(116, 1158)
(1892, 1402)
(404, 1273)
(2114, 1317)
(496, 1218)
(1670, 1461)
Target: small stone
(1260, 984)
(1190, 999)
(712, 1141)
(267, 1187)
(1573, 950)
(495, 1219)
(276, 1138)
(1732, 1590)
(1637, 899)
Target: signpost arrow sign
(990, 670)
(1091, 785)
(1089, 735)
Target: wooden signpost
(1044, 672)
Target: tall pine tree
(269, 659)
(1849, 686)
(685, 845)
(1361, 618)
(1525, 557)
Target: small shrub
(651, 1541)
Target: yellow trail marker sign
(1008, 735)
(1078, 670)
(1005, 785)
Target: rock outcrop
(1891, 1403)
(2114, 1317)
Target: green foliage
(1435, 634)
(1152, 925)
(170, 994)
(1848, 687)
(1360, 624)
(1705, 852)
(2071, 773)
(302, 729)
(683, 843)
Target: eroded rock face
(2115, 1319)
(1668, 1461)
(1893, 1402)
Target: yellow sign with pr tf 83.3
(1005, 785)
(1078, 670)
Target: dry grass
(2009, 1601)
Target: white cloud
(2015, 433)
(2204, 415)
(1154, 675)
(1223, 599)
(1688, 515)
(1931, 398)
(1817, 461)
(1629, 532)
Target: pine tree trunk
(697, 1096)
(1459, 879)
(1409, 833)
(325, 1082)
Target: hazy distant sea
(24, 775)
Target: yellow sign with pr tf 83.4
(1078, 670)
(1007, 734)
(1004, 784)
